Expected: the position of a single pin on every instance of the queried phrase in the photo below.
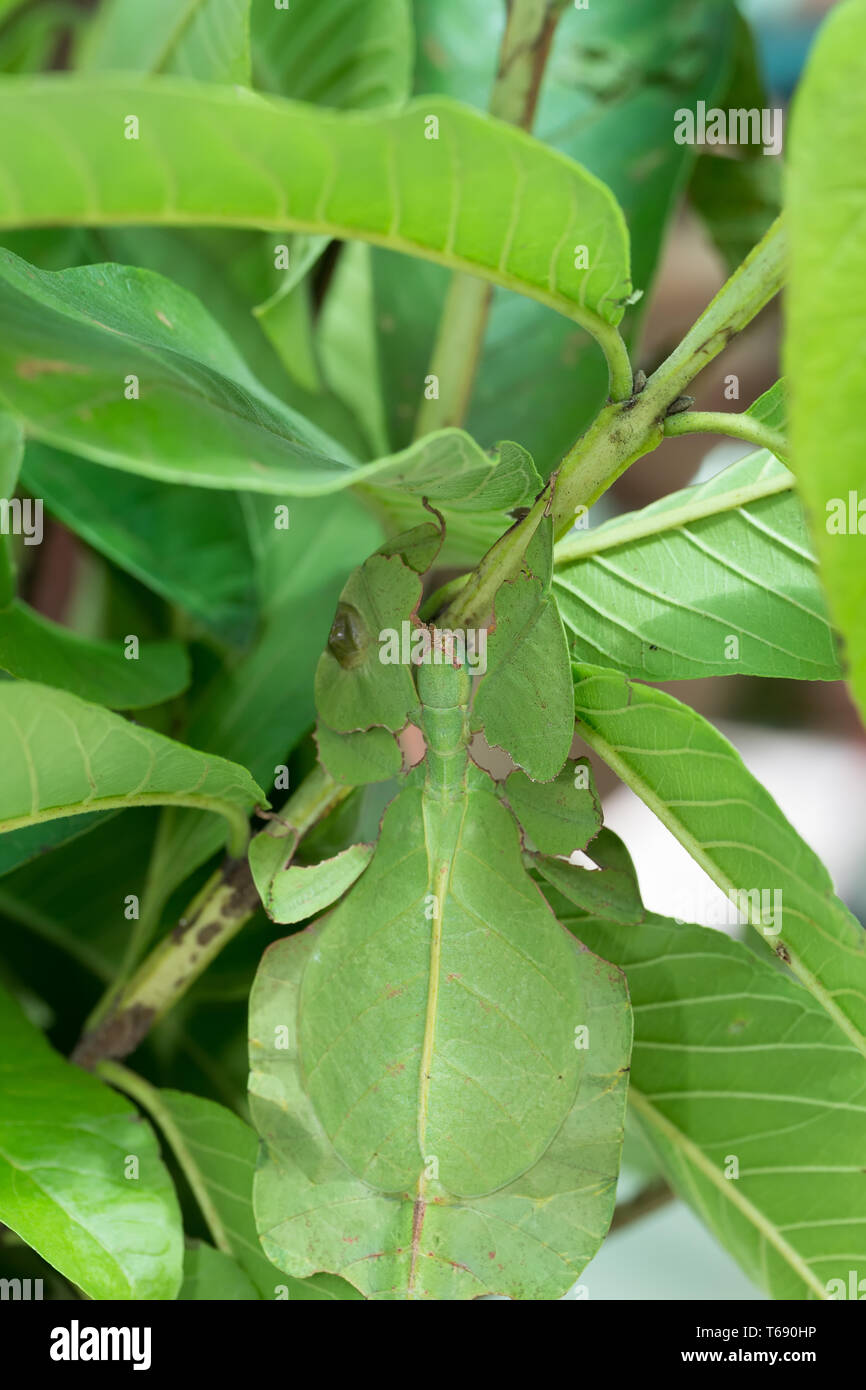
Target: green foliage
(317, 360)
(80, 1180)
(827, 191)
(65, 757)
(750, 1097)
(632, 598)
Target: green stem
(523, 56)
(741, 298)
(226, 902)
(722, 422)
(149, 1099)
(628, 429)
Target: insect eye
(348, 639)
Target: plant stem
(149, 1099)
(523, 54)
(648, 1200)
(226, 902)
(626, 430)
(740, 299)
(722, 422)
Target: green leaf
(372, 755)
(36, 649)
(206, 39)
(610, 891)
(200, 416)
(210, 1275)
(417, 1075)
(11, 454)
(738, 199)
(64, 757)
(772, 407)
(20, 846)
(66, 1182)
(217, 1154)
(559, 817)
(97, 861)
(346, 343)
(349, 54)
(30, 41)
(734, 1061)
(697, 785)
(525, 701)
(293, 894)
(195, 556)
(616, 74)
(482, 197)
(826, 304)
(738, 194)
(717, 579)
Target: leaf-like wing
(296, 892)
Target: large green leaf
(482, 197)
(352, 54)
(698, 786)
(64, 757)
(616, 74)
(198, 415)
(207, 39)
(36, 649)
(732, 1061)
(216, 1152)
(416, 1072)
(718, 579)
(826, 305)
(81, 1180)
(196, 556)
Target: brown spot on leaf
(30, 368)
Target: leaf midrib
(651, 1116)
